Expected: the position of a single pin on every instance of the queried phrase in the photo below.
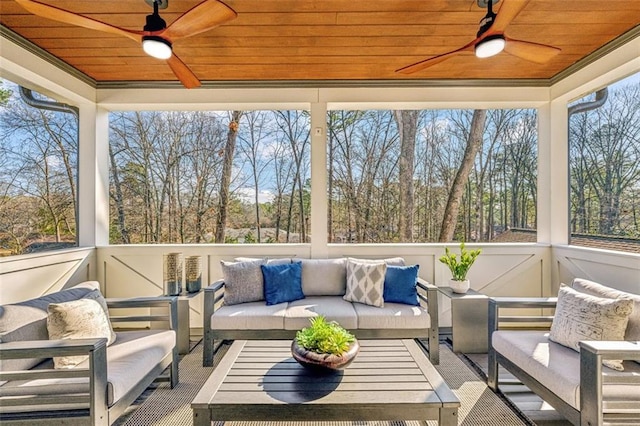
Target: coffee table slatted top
(388, 380)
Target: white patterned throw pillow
(581, 316)
(77, 319)
(365, 282)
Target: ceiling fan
(491, 39)
(156, 37)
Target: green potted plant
(459, 267)
(325, 345)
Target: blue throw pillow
(400, 285)
(282, 283)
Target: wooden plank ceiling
(324, 40)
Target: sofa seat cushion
(392, 316)
(249, 316)
(557, 367)
(333, 308)
(133, 355)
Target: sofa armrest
(213, 296)
(591, 378)
(431, 299)
(95, 397)
(169, 302)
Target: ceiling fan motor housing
(155, 23)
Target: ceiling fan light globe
(156, 47)
(490, 46)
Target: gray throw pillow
(243, 281)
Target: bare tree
(228, 155)
(474, 142)
(407, 126)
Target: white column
(93, 176)
(319, 209)
(558, 197)
(543, 226)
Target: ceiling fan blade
(182, 71)
(534, 52)
(203, 17)
(61, 15)
(419, 66)
(508, 11)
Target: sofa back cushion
(28, 320)
(599, 290)
(324, 277)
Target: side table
(183, 333)
(469, 320)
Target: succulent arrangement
(325, 337)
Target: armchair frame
(92, 401)
(592, 353)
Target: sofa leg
(434, 349)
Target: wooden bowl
(319, 361)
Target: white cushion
(580, 316)
(333, 308)
(249, 316)
(392, 316)
(324, 277)
(77, 319)
(557, 367)
(595, 289)
(365, 282)
(392, 261)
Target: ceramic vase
(459, 286)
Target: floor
(528, 402)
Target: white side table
(469, 320)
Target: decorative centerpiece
(324, 345)
(459, 268)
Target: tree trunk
(229, 150)
(474, 143)
(407, 123)
(124, 233)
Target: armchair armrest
(591, 378)
(497, 303)
(169, 302)
(49, 348)
(93, 396)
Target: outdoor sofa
(97, 387)
(592, 325)
(322, 290)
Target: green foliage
(325, 337)
(459, 268)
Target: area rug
(160, 405)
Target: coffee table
(258, 380)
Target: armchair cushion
(580, 316)
(557, 367)
(599, 290)
(77, 319)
